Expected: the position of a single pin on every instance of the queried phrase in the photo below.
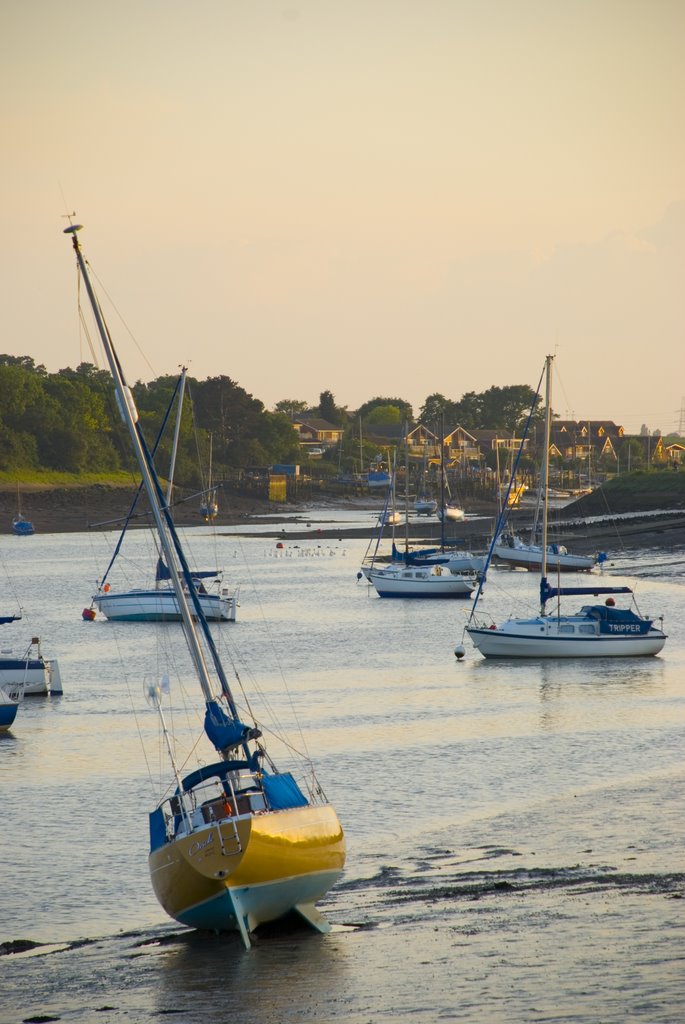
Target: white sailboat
(158, 603)
(434, 581)
(233, 843)
(425, 506)
(37, 675)
(27, 668)
(511, 550)
(448, 511)
(399, 579)
(595, 631)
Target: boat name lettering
(624, 627)
(201, 844)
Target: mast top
(72, 229)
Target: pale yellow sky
(377, 198)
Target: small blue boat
(22, 527)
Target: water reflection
(203, 972)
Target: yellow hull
(241, 872)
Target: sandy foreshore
(102, 507)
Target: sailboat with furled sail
(234, 843)
(158, 603)
(595, 631)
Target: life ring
(438, 571)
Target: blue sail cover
(410, 557)
(162, 571)
(621, 621)
(225, 732)
(282, 792)
(547, 592)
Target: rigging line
(277, 659)
(83, 329)
(264, 699)
(196, 436)
(139, 491)
(121, 318)
(122, 664)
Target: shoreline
(105, 507)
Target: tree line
(68, 422)
(494, 409)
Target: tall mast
(177, 428)
(442, 481)
(544, 471)
(129, 414)
(406, 488)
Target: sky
(372, 197)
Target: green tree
(406, 411)
(437, 410)
(291, 407)
(329, 411)
(243, 432)
(384, 414)
(497, 408)
(25, 362)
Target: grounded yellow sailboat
(235, 843)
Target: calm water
(514, 831)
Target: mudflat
(105, 507)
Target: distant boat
(451, 512)
(209, 508)
(20, 526)
(399, 579)
(596, 631)
(234, 842)
(390, 518)
(510, 549)
(513, 551)
(425, 506)
(430, 581)
(448, 557)
(448, 510)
